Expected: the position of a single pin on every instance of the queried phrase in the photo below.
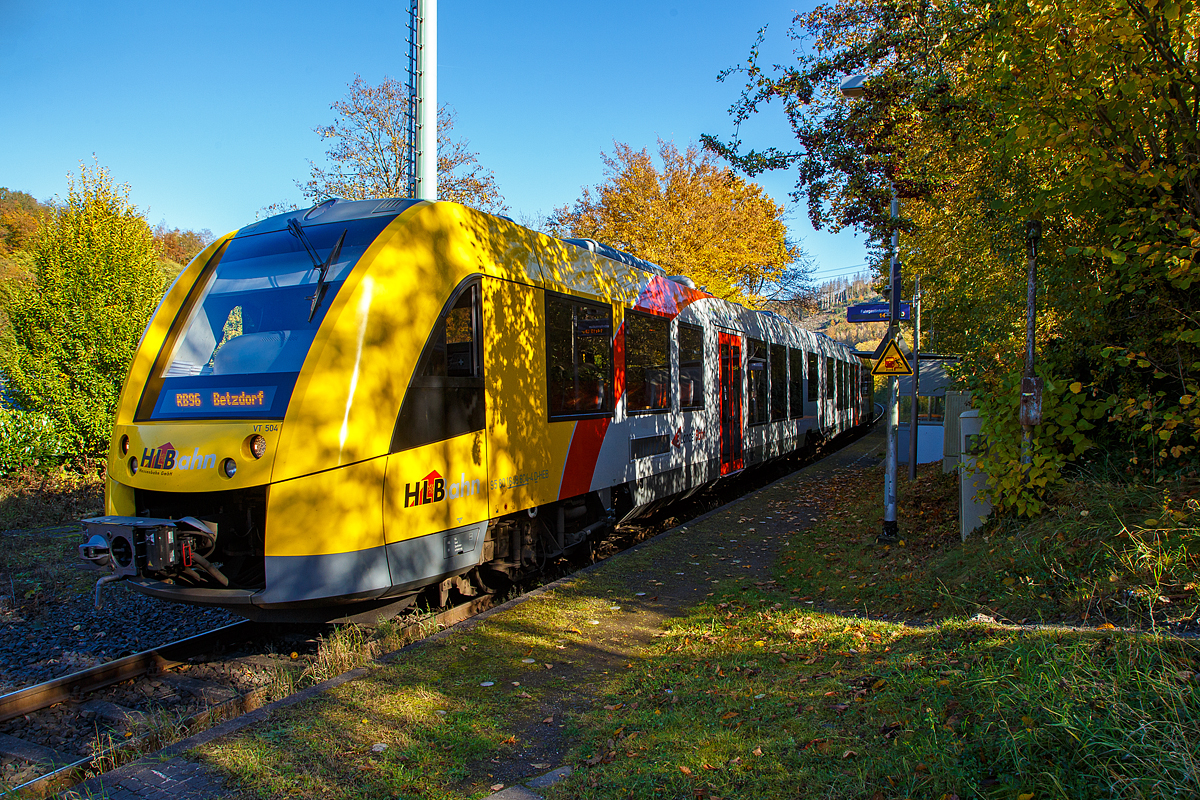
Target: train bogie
(359, 401)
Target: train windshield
(242, 344)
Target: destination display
(240, 401)
(875, 312)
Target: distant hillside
(833, 298)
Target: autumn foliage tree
(693, 217)
(20, 216)
(75, 320)
(368, 154)
(1084, 114)
(180, 246)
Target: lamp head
(854, 86)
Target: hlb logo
(430, 489)
(159, 457)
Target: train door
(437, 475)
(730, 352)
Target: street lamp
(853, 87)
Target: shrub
(1069, 416)
(29, 439)
(75, 319)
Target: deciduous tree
(180, 246)
(20, 216)
(693, 217)
(368, 157)
(75, 322)
(1081, 113)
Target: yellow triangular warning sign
(892, 362)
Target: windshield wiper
(321, 267)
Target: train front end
(201, 436)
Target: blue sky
(207, 110)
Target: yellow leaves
(1025, 796)
(1076, 387)
(693, 217)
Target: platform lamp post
(854, 87)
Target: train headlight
(258, 446)
(124, 445)
(133, 465)
(229, 468)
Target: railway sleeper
(13, 747)
(114, 714)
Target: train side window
(779, 382)
(647, 362)
(813, 378)
(445, 397)
(796, 382)
(756, 366)
(579, 357)
(691, 366)
(841, 385)
(830, 380)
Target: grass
(34, 499)
(753, 693)
(39, 566)
(1107, 552)
(415, 727)
(849, 670)
(743, 699)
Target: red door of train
(730, 347)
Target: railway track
(185, 687)
(56, 733)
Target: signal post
(889, 363)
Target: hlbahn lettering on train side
(432, 489)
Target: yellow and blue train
(367, 399)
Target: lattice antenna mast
(426, 100)
(410, 127)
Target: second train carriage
(363, 399)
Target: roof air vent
(319, 209)
(390, 204)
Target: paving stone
(550, 778)
(514, 793)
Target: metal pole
(890, 529)
(916, 379)
(1031, 389)
(427, 188)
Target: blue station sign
(875, 312)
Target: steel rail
(67, 775)
(44, 695)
